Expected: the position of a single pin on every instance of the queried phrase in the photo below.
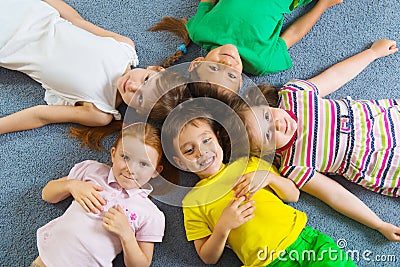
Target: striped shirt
(356, 139)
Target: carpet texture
(29, 159)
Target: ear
(180, 163)
(155, 68)
(157, 171)
(112, 153)
(195, 62)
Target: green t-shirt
(274, 227)
(253, 26)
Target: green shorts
(313, 248)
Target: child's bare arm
(303, 25)
(85, 193)
(343, 201)
(135, 253)
(251, 182)
(41, 115)
(69, 13)
(336, 76)
(235, 214)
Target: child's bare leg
(37, 263)
(303, 25)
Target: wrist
(127, 237)
(221, 230)
(70, 185)
(373, 54)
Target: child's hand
(116, 222)
(390, 231)
(236, 213)
(384, 48)
(248, 184)
(86, 194)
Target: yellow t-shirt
(257, 242)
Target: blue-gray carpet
(28, 160)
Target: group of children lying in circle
(307, 135)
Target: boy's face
(198, 150)
(134, 167)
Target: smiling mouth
(229, 55)
(287, 126)
(124, 85)
(207, 163)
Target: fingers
(240, 180)
(242, 191)
(246, 210)
(83, 205)
(94, 204)
(384, 47)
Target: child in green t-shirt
(251, 29)
(272, 234)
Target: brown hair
(255, 96)
(91, 136)
(177, 27)
(167, 102)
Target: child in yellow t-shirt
(272, 234)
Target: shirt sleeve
(300, 175)
(153, 228)
(279, 58)
(195, 226)
(299, 85)
(79, 170)
(202, 10)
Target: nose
(227, 61)
(131, 86)
(279, 125)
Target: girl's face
(135, 167)
(198, 149)
(222, 66)
(135, 86)
(267, 125)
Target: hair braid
(177, 27)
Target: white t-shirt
(72, 64)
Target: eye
(140, 100)
(268, 135)
(232, 76)
(143, 164)
(267, 116)
(207, 140)
(146, 79)
(188, 151)
(213, 67)
(125, 157)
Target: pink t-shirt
(77, 238)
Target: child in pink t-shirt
(111, 211)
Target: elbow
(102, 119)
(293, 197)
(209, 261)
(45, 197)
